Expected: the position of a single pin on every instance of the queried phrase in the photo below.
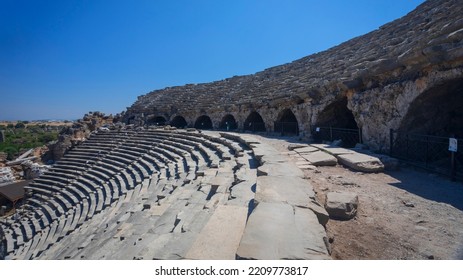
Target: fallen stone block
(306, 150)
(320, 158)
(341, 206)
(334, 150)
(361, 162)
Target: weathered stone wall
(381, 74)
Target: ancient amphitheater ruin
(200, 189)
(391, 78)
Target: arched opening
(254, 123)
(179, 122)
(438, 111)
(203, 122)
(228, 123)
(337, 115)
(432, 118)
(158, 120)
(286, 123)
(336, 122)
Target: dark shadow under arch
(158, 120)
(286, 123)
(228, 122)
(254, 123)
(337, 115)
(179, 122)
(438, 111)
(203, 122)
(336, 122)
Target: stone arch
(178, 122)
(286, 123)
(254, 122)
(338, 115)
(203, 122)
(156, 120)
(228, 122)
(437, 111)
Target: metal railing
(255, 127)
(286, 128)
(349, 136)
(428, 152)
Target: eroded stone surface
(220, 237)
(341, 206)
(291, 190)
(361, 162)
(294, 233)
(320, 158)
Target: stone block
(278, 231)
(341, 206)
(320, 212)
(291, 190)
(320, 158)
(361, 162)
(306, 150)
(220, 237)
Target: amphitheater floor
(403, 214)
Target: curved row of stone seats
(67, 206)
(199, 143)
(123, 229)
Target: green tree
(19, 125)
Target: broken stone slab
(296, 146)
(220, 237)
(334, 150)
(361, 162)
(242, 193)
(291, 190)
(280, 231)
(389, 163)
(279, 169)
(320, 158)
(306, 150)
(320, 212)
(341, 206)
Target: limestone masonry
(128, 187)
(390, 78)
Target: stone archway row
(285, 123)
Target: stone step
(220, 237)
(295, 234)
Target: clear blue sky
(60, 59)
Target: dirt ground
(402, 214)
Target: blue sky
(62, 59)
